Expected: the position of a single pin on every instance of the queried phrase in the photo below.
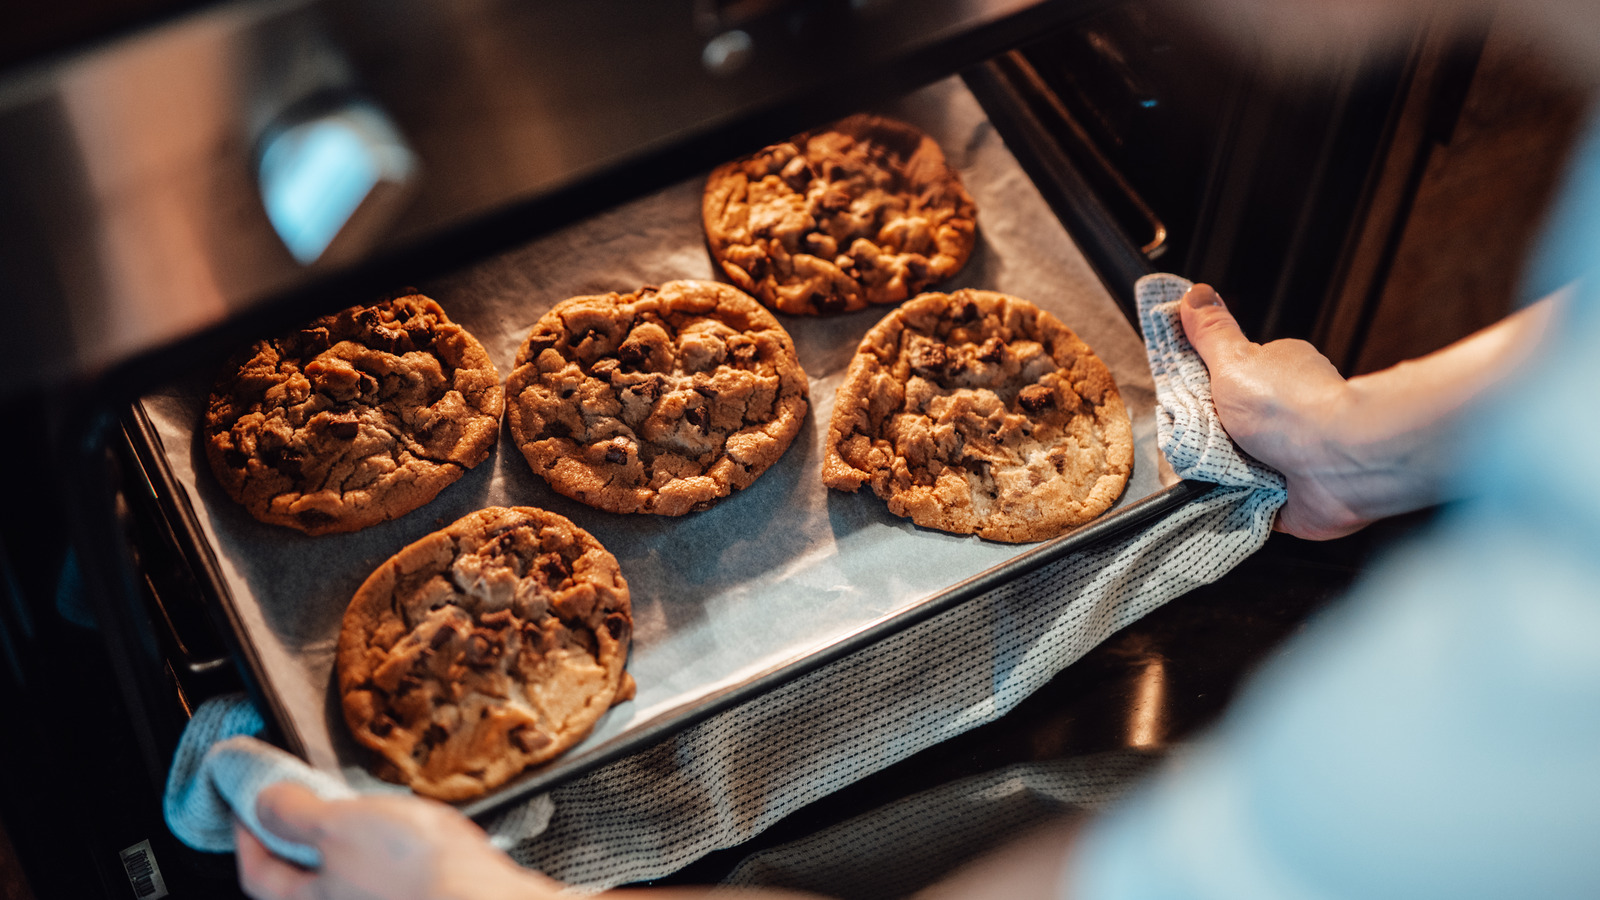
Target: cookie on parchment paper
(482, 649)
(862, 212)
(978, 413)
(663, 400)
(359, 417)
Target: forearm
(1391, 438)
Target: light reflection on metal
(316, 174)
(728, 52)
(1147, 717)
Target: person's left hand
(378, 848)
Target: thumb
(292, 812)
(1210, 327)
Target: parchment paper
(767, 577)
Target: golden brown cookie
(357, 418)
(978, 413)
(661, 401)
(485, 648)
(864, 211)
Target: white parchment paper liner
(763, 579)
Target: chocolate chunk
(286, 460)
(993, 350)
(381, 726)
(313, 518)
(698, 417)
(831, 303)
(929, 358)
(554, 569)
(435, 735)
(1036, 397)
(617, 626)
(419, 335)
(483, 648)
(649, 390)
(389, 340)
(538, 343)
(633, 354)
(344, 429)
(441, 637)
(528, 740)
(616, 453)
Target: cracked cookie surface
(978, 413)
(484, 648)
(359, 417)
(862, 212)
(664, 400)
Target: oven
(147, 153)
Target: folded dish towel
(221, 764)
(1187, 426)
(727, 779)
(219, 768)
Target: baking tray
(728, 603)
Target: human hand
(1354, 451)
(378, 848)
(1286, 405)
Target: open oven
(140, 172)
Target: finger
(292, 812)
(263, 876)
(1210, 327)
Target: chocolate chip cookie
(864, 211)
(357, 418)
(483, 649)
(664, 400)
(978, 413)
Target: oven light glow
(316, 174)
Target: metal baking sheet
(727, 602)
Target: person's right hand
(1352, 451)
(1284, 404)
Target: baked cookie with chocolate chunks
(861, 212)
(359, 417)
(978, 413)
(663, 400)
(487, 647)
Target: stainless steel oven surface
(155, 164)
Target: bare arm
(1353, 451)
